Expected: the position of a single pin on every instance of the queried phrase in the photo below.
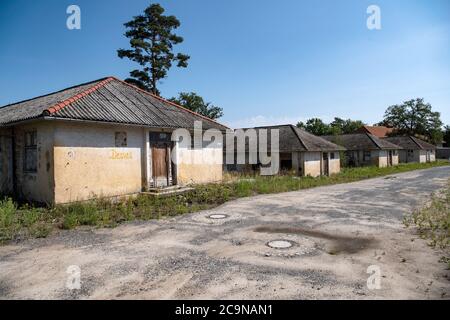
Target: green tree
(152, 39)
(341, 126)
(194, 102)
(315, 126)
(446, 136)
(338, 126)
(414, 117)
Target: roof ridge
(65, 103)
(371, 137)
(294, 128)
(415, 141)
(169, 102)
(49, 94)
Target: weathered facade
(300, 151)
(414, 149)
(101, 139)
(364, 149)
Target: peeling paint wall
(88, 164)
(199, 166)
(312, 163)
(35, 186)
(380, 158)
(335, 164)
(416, 156)
(6, 169)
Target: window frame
(30, 145)
(124, 142)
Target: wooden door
(326, 164)
(160, 167)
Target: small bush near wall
(21, 222)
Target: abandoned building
(364, 149)
(299, 151)
(377, 131)
(414, 149)
(99, 139)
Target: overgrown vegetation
(30, 222)
(433, 222)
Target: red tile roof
(377, 131)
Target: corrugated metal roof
(106, 100)
(411, 143)
(362, 141)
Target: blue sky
(263, 62)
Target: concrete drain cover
(218, 216)
(280, 244)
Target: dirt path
(336, 233)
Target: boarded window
(121, 139)
(30, 152)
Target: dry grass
(433, 222)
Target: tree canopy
(414, 117)
(152, 40)
(194, 102)
(318, 127)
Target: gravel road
(335, 234)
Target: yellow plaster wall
(199, 166)
(88, 165)
(312, 163)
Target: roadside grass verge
(433, 222)
(21, 222)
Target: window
(30, 152)
(366, 156)
(121, 139)
(332, 155)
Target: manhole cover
(218, 216)
(280, 244)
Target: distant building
(364, 149)
(300, 151)
(414, 149)
(377, 131)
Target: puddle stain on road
(340, 244)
